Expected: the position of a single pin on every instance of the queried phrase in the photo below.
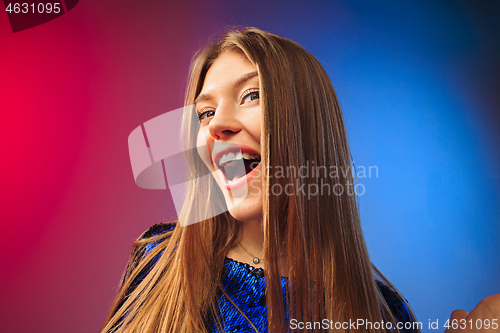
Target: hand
(479, 319)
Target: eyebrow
(240, 81)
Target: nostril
(214, 136)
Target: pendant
(256, 260)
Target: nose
(224, 123)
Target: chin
(248, 209)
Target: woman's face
(229, 137)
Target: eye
(250, 96)
(205, 114)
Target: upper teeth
(238, 156)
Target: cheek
(256, 133)
(253, 124)
(203, 147)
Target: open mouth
(235, 165)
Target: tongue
(235, 169)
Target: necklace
(256, 260)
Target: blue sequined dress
(245, 285)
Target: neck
(251, 237)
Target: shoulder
(158, 229)
(150, 236)
(397, 304)
(148, 240)
(144, 244)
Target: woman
(263, 109)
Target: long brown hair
(329, 271)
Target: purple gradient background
(419, 88)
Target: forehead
(226, 70)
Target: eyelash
(203, 113)
(249, 93)
(244, 96)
